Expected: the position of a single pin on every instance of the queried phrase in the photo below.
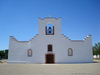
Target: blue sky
(19, 18)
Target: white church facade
(50, 46)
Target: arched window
(29, 53)
(70, 52)
(49, 47)
(49, 29)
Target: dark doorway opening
(50, 58)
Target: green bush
(4, 54)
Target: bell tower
(50, 26)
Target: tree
(4, 54)
(96, 49)
(6, 51)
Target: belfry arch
(49, 29)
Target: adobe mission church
(50, 46)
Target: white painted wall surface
(82, 50)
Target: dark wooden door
(50, 58)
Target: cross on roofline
(49, 15)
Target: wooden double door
(50, 58)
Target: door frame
(49, 54)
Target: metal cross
(49, 15)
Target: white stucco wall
(82, 49)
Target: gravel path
(50, 69)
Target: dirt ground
(51, 69)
